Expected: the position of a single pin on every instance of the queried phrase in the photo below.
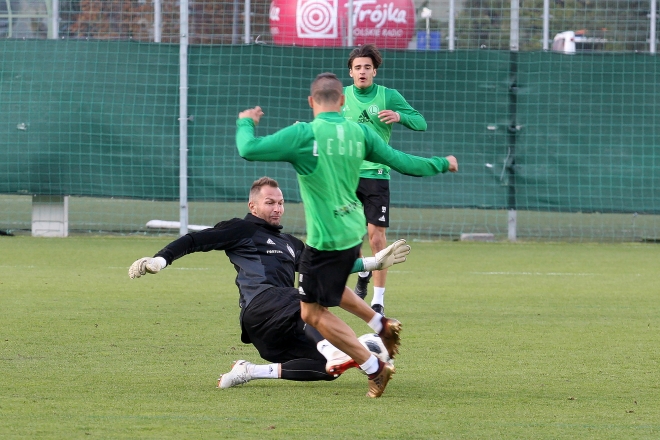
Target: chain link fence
(604, 25)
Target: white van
(575, 41)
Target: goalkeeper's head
(326, 94)
(266, 200)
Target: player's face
(269, 206)
(362, 72)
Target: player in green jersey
(327, 154)
(380, 108)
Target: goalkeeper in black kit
(266, 261)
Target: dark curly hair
(366, 51)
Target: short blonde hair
(255, 190)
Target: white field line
(554, 274)
(167, 268)
(110, 267)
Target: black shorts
(272, 323)
(323, 274)
(375, 196)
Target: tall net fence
(603, 25)
(567, 138)
(613, 25)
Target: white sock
(326, 348)
(371, 366)
(268, 371)
(375, 323)
(363, 274)
(379, 293)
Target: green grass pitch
(527, 340)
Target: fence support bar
(183, 117)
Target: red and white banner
(386, 23)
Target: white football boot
(239, 374)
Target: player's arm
(399, 110)
(298, 248)
(292, 144)
(393, 254)
(271, 148)
(229, 235)
(380, 152)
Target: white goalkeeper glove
(146, 265)
(393, 254)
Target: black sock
(305, 370)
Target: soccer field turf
(527, 340)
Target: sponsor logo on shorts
(383, 209)
(381, 218)
(301, 291)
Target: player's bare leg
(340, 334)
(387, 328)
(353, 304)
(389, 331)
(378, 242)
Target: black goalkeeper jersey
(263, 256)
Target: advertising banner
(321, 23)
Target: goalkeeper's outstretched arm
(216, 238)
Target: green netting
(100, 119)
(89, 118)
(589, 133)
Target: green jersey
(329, 191)
(363, 106)
(327, 154)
